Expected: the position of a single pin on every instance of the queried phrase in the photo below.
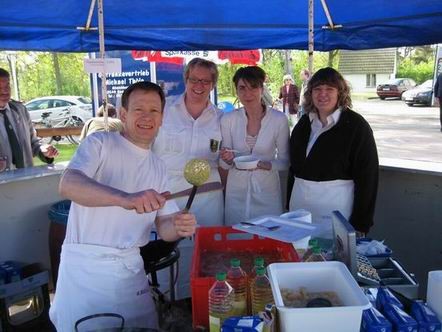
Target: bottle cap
(259, 261)
(260, 271)
(235, 262)
(221, 276)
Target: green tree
(419, 72)
(36, 72)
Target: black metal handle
(191, 197)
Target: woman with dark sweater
(333, 156)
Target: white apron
(250, 194)
(321, 198)
(95, 279)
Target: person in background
(438, 95)
(262, 132)
(117, 186)
(191, 129)
(333, 157)
(97, 123)
(304, 75)
(289, 96)
(19, 142)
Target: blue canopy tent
(43, 25)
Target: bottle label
(214, 324)
(239, 308)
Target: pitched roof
(378, 61)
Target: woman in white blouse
(259, 131)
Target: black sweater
(347, 151)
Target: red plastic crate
(222, 239)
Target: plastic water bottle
(237, 278)
(315, 256)
(261, 291)
(259, 262)
(221, 298)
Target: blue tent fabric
(44, 25)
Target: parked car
(419, 95)
(80, 107)
(395, 87)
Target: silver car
(79, 107)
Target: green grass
(66, 151)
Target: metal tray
(390, 271)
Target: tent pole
(310, 36)
(103, 74)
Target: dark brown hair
(253, 75)
(330, 77)
(4, 73)
(146, 87)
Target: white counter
(25, 198)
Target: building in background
(364, 70)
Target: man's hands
(145, 201)
(49, 151)
(185, 224)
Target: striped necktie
(17, 153)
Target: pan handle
(106, 314)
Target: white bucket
(318, 277)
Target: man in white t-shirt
(117, 187)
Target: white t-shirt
(111, 159)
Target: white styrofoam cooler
(318, 277)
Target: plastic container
(314, 256)
(221, 297)
(258, 262)
(227, 240)
(237, 278)
(318, 277)
(58, 215)
(261, 291)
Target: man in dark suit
(438, 95)
(18, 140)
(289, 95)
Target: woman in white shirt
(259, 131)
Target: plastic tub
(318, 277)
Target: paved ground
(403, 132)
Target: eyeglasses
(195, 81)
